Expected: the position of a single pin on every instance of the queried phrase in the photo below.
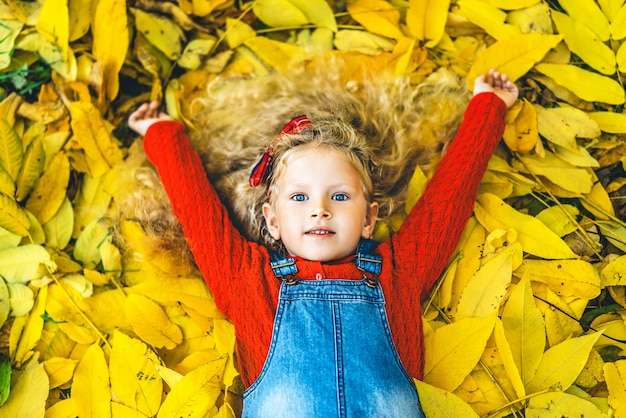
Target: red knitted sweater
(238, 271)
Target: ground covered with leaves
(528, 319)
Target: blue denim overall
(332, 354)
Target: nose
(320, 210)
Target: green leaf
(5, 381)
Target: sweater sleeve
(226, 260)
(429, 235)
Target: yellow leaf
(62, 409)
(615, 374)
(11, 152)
(134, 380)
(377, 16)
(512, 4)
(599, 203)
(610, 121)
(28, 394)
(194, 53)
(111, 259)
(587, 85)
(521, 131)
(558, 318)
(110, 43)
(62, 61)
(191, 292)
(514, 56)
(453, 350)
(613, 273)
(7, 185)
(559, 172)
(533, 19)
(487, 17)
(317, 12)
(161, 32)
(426, 20)
(584, 43)
(276, 54)
(483, 293)
(59, 229)
(556, 218)
(54, 25)
(417, 185)
(91, 204)
(237, 32)
(589, 14)
(224, 334)
(12, 217)
(195, 393)
(524, 330)
(562, 405)
(506, 355)
(5, 304)
(32, 168)
(50, 190)
(79, 18)
(279, 13)
(87, 248)
(24, 263)
(535, 237)
(92, 135)
(561, 364)
(620, 57)
(33, 327)
(21, 299)
(364, 42)
(440, 403)
(471, 247)
(91, 391)
(9, 30)
(618, 24)
(566, 277)
(59, 370)
(151, 323)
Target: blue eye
(340, 197)
(299, 197)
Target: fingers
(145, 111)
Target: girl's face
(319, 209)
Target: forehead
(319, 162)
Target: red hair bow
(262, 169)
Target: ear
(271, 221)
(370, 220)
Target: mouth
(319, 232)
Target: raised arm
(432, 230)
(221, 253)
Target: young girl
(328, 322)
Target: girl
(328, 322)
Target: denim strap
(367, 260)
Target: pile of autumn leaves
(97, 328)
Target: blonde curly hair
(395, 125)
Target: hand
(145, 115)
(497, 83)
